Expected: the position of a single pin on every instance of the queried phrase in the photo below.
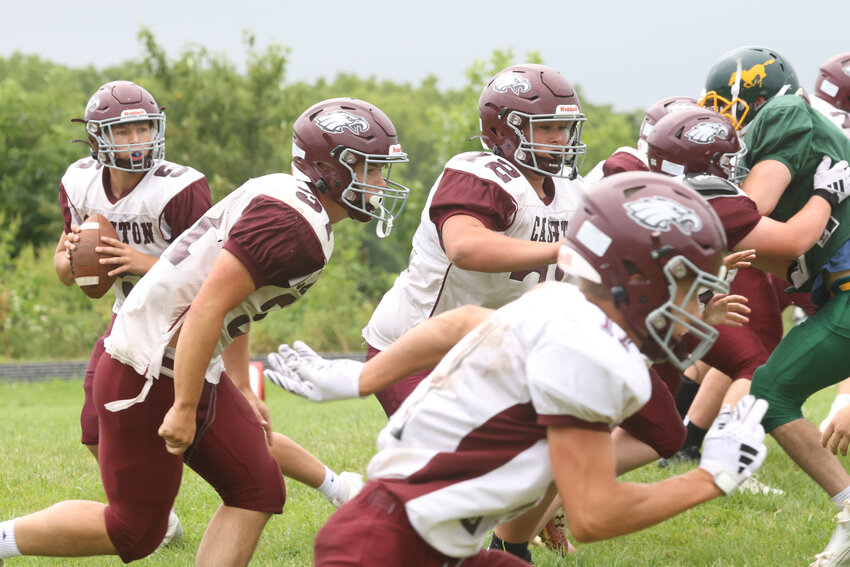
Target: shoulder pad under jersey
(711, 186)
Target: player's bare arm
(788, 240)
(62, 258)
(472, 246)
(765, 184)
(298, 369)
(420, 348)
(228, 284)
(597, 505)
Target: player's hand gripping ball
(89, 273)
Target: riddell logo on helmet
(567, 109)
(395, 149)
(134, 112)
(513, 81)
(661, 213)
(753, 76)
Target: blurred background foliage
(232, 123)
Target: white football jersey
(431, 284)
(467, 449)
(153, 313)
(137, 216)
(837, 116)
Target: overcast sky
(625, 53)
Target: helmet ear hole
(634, 272)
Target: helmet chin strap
(385, 222)
(736, 89)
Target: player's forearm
(61, 263)
(420, 348)
(629, 507)
(486, 251)
(63, 268)
(806, 227)
(195, 347)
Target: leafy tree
(232, 125)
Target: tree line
(232, 124)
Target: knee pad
(783, 406)
(665, 436)
(136, 530)
(262, 490)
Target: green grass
(42, 462)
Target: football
(91, 275)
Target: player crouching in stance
(162, 397)
(531, 393)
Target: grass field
(42, 462)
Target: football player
(704, 147)
(631, 159)
(832, 98)
(786, 140)
(149, 200)
(162, 396)
(492, 223)
(832, 91)
(530, 394)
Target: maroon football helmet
(336, 137)
(658, 111)
(649, 225)
(696, 140)
(833, 82)
(117, 103)
(514, 101)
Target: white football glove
(302, 372)
(834, 180)
(734, 446)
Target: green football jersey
(789, 130)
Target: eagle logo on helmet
(846, 70)
(94, 104)
(513, 81)
(335, 121)
(706, 132)
(661, 213)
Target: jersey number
(165, 171)
(180, 250)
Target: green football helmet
(744, 79)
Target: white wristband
(725, 482)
